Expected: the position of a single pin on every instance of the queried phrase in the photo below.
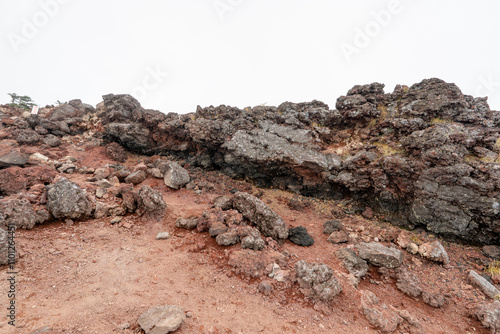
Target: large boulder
(11, 157)
(65, 199)
(20, 213)
(266, 220)
(150, 202)
(175, 176)
(317, 281)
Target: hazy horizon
(173, 56)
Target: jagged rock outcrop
(425, 155)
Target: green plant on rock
(21, 101)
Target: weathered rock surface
(175, 176)
(317, 281)
(162, 319)
(378, 314)
(150, 202)
(136, 177)
(488, 289)
(187, 223)
(353, 263)
(423, 155)
(65, 199)
(11, 157)
(20, 213)
(300, 236)
(266, 220)
(332, 226)
(434, 251)
(489, 315)
(408, 283)
(379, 255)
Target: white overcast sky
(174, 55)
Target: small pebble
(116, 220)
(163, 236)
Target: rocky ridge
(422, 156)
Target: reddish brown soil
(94, 277)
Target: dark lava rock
(332, 225)
(299, 236)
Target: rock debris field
(379, 216)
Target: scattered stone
(129, 197)
(106, 210)
(27, 137)
(12, 157)
(162, 319)
(317, 281)
(435, 300)
(187, 223)
(489, 289)
(116, 220)
(252, 263)
(102, 173)
(379, 315)
(274, 269)
(434, 251)
(403, 239)
(67, 168)
(150, 202)
(136, 177)
(227, 238)
(51, 140)
(300, 236)
(19, 212)
(223, 202)
(408, 283)
(491, 251)
(175, 176)
(412, 248)
(353, 263)
(282, 275)
(266, 220)
(379, 255)
(338, 237)
(217, 228)
(489, 315)
(331, 226)
(368, 213)
(116, 152)
(252, 240)
(155, 172)
(69, 222)
(65, 199)
(265, 288)
(163, 236)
